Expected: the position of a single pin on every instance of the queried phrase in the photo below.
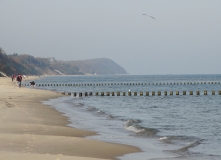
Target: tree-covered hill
(30, 65)
(99, 66)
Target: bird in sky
(149, 16)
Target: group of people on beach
(18, 78)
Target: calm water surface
(164, 127)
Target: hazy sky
(184, 38)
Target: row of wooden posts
(153, 93)
(110, 84)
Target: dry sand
(30, 130)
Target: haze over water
(164, 127)
(184, 37)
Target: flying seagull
(149, 16)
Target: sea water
(164, 127)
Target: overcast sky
(184, 37)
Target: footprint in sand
(9, 104)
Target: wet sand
(31, 130)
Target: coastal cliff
(30, 65)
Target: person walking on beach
(19, 79)
(12, 77)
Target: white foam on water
(182, 119)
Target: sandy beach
(31, 130)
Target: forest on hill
(30, 65)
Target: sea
(164, 127)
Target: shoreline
(32, 130)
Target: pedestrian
(19, 80)
(12, 77)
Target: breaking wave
(91, 109)
(132, 125)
